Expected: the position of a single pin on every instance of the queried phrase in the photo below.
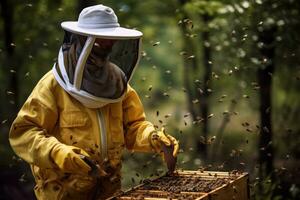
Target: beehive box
(186, 185)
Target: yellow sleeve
(30, 132)
(137, 129)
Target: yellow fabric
(158, 137)
(50, 119)
(67, 158)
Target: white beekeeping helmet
(98, 57)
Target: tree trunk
(204, 101)
(84, 3)
(267, 37)
(188, 64)
(7, 13)
(204, 105)
(215, 151)
(186, 75)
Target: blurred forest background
(223, 76)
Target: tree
(264, 74)
(200, 54)
(7, 12)
(84, 3)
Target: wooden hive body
(188, 185)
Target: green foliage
(202, 7)
(265, 189)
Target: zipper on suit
(102, 134)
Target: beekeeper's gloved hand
(158, 137)
(68, 159)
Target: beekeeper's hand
(68, 159)
(158, 138)
(97, 170)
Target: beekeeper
(84, 111)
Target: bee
(210, 116)
(156, 44)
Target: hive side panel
(204, 197)
(242, 188)
(236, 190)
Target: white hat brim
(109, 33)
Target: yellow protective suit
(50, 116)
